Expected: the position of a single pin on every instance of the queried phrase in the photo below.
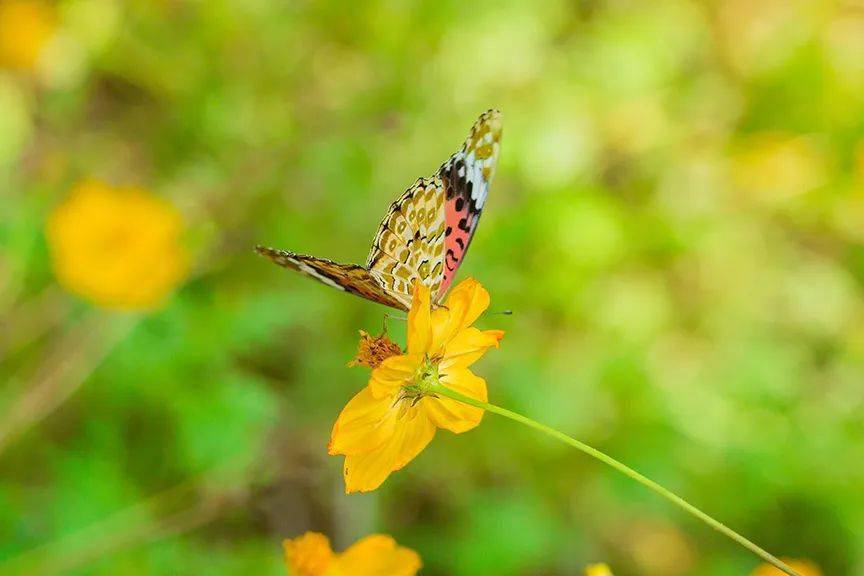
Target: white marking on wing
(315, 274)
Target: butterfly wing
(425, 233)
(348, 277)
(409, 244)
(467, 176)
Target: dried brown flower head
(373, 350)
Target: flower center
(425, 379)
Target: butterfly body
(425, 232)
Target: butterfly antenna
(505, 312)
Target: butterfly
(425, 233)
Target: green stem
(624, 469)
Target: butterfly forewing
(348, 277)
(467, 176)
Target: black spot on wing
(451, 257)
(454, 185)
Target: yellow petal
(452, 414)
(803, 567)
(467, 346)
(412, 432)
(598, 570)
(308, 555)
(463, 306)
(393, 373)
(419, 320)
(378, 555)
(363, 425)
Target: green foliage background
(677, 223)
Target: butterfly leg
(388, 316)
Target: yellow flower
(598, 570)
(803, 567)
(117, 247)
(25, 28)
(392, 420)
(376, 555)
(308, 555)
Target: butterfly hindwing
(467, 176)
(348, 277)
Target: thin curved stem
(624, 469)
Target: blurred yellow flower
(25, 28)
(308, 555)
(376, 555)
(758, 36)
(117, 247)
(598, 570)
(392, 420)
(775, 167)
(803, 567)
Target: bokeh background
(677, 223)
